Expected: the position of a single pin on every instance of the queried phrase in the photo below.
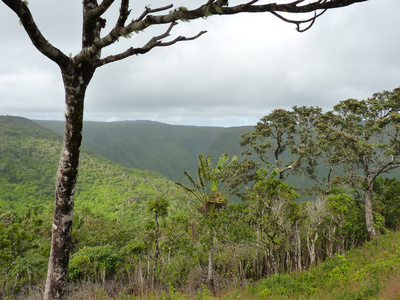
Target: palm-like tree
(210, 193)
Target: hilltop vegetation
(28, 162)
(29, 156)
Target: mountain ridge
(167, 149)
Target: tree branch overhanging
(149, 17)
(154, 42)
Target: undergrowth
(362, 273)
(370, 272)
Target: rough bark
(75, 86)
(369, 217)
(311, 242)
(331, 240)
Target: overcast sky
(244, 67)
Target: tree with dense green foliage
(273, 136)
(286, 140)
(344, 225)
(159, 208)
(366, 138)
(78, 70)
(23, 250)
(274, 214)
(387, 201)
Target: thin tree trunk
(156, 254)
(331, 240)
(257, 274)
(210, 277)
(75, 83)
(298, 246)
(141, 276)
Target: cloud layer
(245, 66)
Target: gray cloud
(244, 67)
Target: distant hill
(167, 149)
(29, 155)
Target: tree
(272, 137)
(286, 140)
(315, 213)
(344, 222)
(211, 194)
(366, 138)
(158, 207)
(209, 190)
(273, 213)
(78, 70)
(387, 196)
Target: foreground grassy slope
(369, 272)
(28, 162)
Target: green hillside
(29, 157)
(170, 149)
(167, 149)
(121, 242)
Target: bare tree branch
(212, 7)
(123, 13)
(154, 42)
(103, 7)
(299, 22)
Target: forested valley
(304, 205)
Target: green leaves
(159, 206)
(23, 258)
(89, 262)
(286, 140)
(209, 189)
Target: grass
(370, 272)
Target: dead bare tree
(77, 71)
(316, 212)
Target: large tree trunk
(369, 218)
(75, 82)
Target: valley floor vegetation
(238, 229)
